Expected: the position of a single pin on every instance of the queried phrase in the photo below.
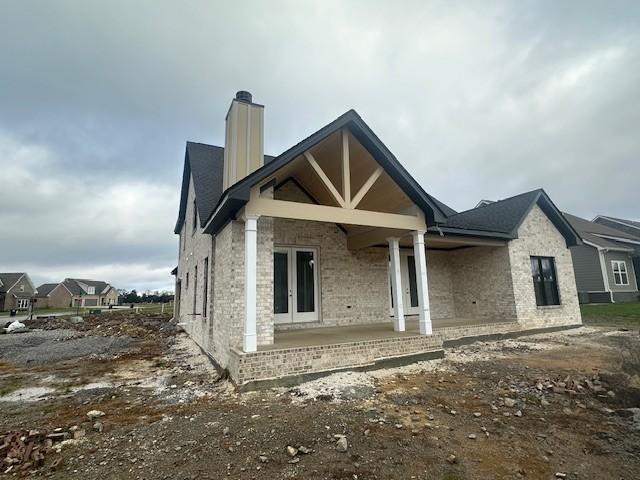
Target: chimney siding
(244, 141)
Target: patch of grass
(615, 313)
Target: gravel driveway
(44, 346)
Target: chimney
(244, 139)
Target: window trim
(546, 304)
(195, 289)
(195, 219)
(620, 272)
(205, 287)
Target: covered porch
(341, 271)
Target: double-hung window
(620, 275)
(545, 282)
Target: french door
(295, 284)
(409, 284)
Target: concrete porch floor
(354, 333)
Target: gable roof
(237, 195)
(205, 163)
(77, 286)
(591, 231)
(45, 289)
(503, 217)
(8, 280)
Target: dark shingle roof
(8, 280)
(589, 231)
(503, 216)
(622, 220)
(73, 285)
(45, 289)
(206, 164)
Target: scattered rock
(95, 414)
(518, 413)
(342, 445)
(263, 459)
(477, 414)
(291, 451)
(561, 475)
(472, 436)
(509, 402)
(452, 459)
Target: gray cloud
(478, 100)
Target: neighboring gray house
(332, 256)
(604, 265)
(16, 291)
(630, 227)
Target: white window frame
(622, 270)
(22, 303)
(91, 290)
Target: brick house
(75, 292)
(330, 255)
(16, 291)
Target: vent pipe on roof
(244, 138)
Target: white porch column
(250, 339)
(396, 284)
(420, 255)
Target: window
(195, 217)
(205, 286)
(620, 275)
(91, 290)
(22, 288)
(195, 288)
(23, 303)
(545, 283)
(187, 282)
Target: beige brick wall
(482, 283)
(197, 247)
(353, 284)
(537, 236)
(439, 278)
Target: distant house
(74, 292)
(16, 291)
(629, 227)
(606, 263)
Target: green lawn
(614, 313)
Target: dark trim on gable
(238, 194)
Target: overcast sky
(477, 99)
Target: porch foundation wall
(269, 364)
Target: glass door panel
(281, 287)
(295, 285)
(305, 282)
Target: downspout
(605, 277)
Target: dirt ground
(561, 405)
